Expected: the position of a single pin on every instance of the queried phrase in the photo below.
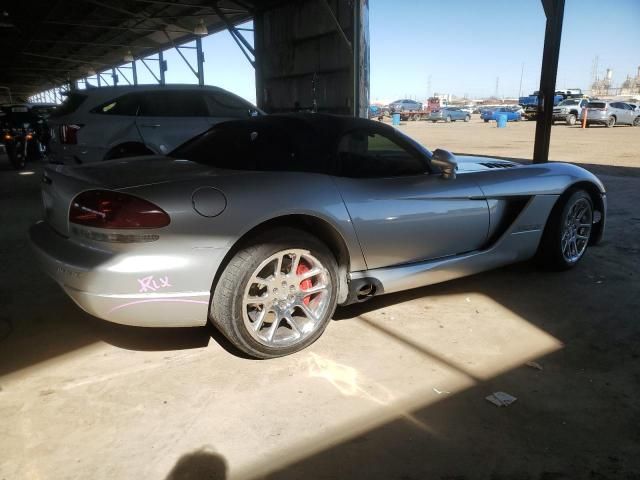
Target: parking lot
(395, 388)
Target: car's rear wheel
(571, 119)
(611, 121)
(276, 295)
(568, 231)
(636, 122)
(467, 118)
(448, 119)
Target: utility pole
(521, 75)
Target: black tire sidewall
(228, 316)
(551, 245)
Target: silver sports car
(263, 226)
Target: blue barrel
(501, 120)
(395, 119)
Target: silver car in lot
(449, 114)
(609, 114)
(263, 226)
(405, 105)
(116, 122)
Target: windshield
(17, 117)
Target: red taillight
(107, 209)
(69, 134)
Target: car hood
(135, 171)
(470, 163)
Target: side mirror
(446, 162)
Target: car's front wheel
(568, 231)
(571, 119)
(611, 121)
(467, 118)
(276, 295)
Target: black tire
(434, 121)
(611, 122)
(550, 254)
(486, 121)
(467, 118)
(16, 155)
(448, 119)
(636, 122)
(571, 119)
(226, 306)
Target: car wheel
(636, 122)
(611, 121)
(567, 233)
(448, 120)
(486, 121)
(433, 121)
(276, 295)
(571, 119)
(467, 118)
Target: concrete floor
(393, 390)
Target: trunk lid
(60, 184)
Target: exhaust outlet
(365, 292)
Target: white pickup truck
(569, 110)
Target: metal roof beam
(113, 27)
(180, 4)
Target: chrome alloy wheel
(576, 230)
(286, 298)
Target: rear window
(70, 105)
(173, 103)
(596, 105)
(250, 147)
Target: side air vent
(498, 165)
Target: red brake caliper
(307, 283)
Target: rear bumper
(109, 286)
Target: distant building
(631, 85)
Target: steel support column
(357, 71)
(200, 60)
(134, 72)
(163, 67)
(114, 77)
(554, 11)
(258, 35)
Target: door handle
(150, 125)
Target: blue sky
(461, 45)
(465, 44)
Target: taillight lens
(107, 209)
(69, 134)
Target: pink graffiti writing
(151, 284)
